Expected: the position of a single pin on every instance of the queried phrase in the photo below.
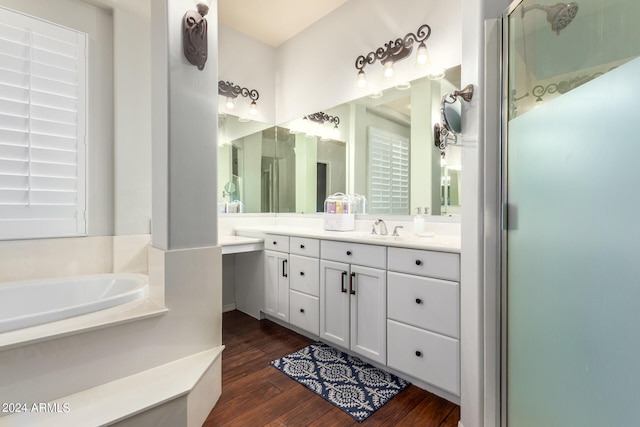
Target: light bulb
(254, 108)
(422, 54)
(335, 133)
(388, 69)
(361, 79)
(230, 103)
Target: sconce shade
(422, 55)
(388, 69)
(361, 79)
(194, 35)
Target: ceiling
(273, 21)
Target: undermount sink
(405, 236)
(368, 235)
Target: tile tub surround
(68, 257)
(46, 258)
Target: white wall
(316, 68)
(132, 124)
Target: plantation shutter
(43, 71)
(388, 172)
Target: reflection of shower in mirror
(559, 16)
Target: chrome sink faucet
(395, 231)
(383, 227)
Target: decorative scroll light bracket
(194, 35)
(322, 118)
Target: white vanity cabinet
(353, 289)
(276, 261)
(304, 283)
(423, 309)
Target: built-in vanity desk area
(394, 301)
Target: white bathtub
(34, 302)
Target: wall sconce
(231, 92)
(395, 51)
(447, 132)
(194, 34)
(321, 120)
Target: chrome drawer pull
(418, 301)
(418, 353)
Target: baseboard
(228, 307)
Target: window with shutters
(388, 172)
(43, 70)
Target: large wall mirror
(382, 149)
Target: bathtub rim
(100, 305)
(128, 312)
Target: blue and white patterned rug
(354, 386)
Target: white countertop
(436, 242)
(236, 244)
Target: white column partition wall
(184, 119)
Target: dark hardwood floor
(256, 394)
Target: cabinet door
(334, 302)
(277, 284)
(368, 290)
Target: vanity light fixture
(321, 120)
(231, 92)
(194, 34)
(395, 51)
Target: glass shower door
(572, 245)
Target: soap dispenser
(418, 222)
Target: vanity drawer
(424, 302)
(304, 246)
(443, 265)
(276, 242)
(354, 253)
(304, 312)
(304, 274)
(424, 355)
